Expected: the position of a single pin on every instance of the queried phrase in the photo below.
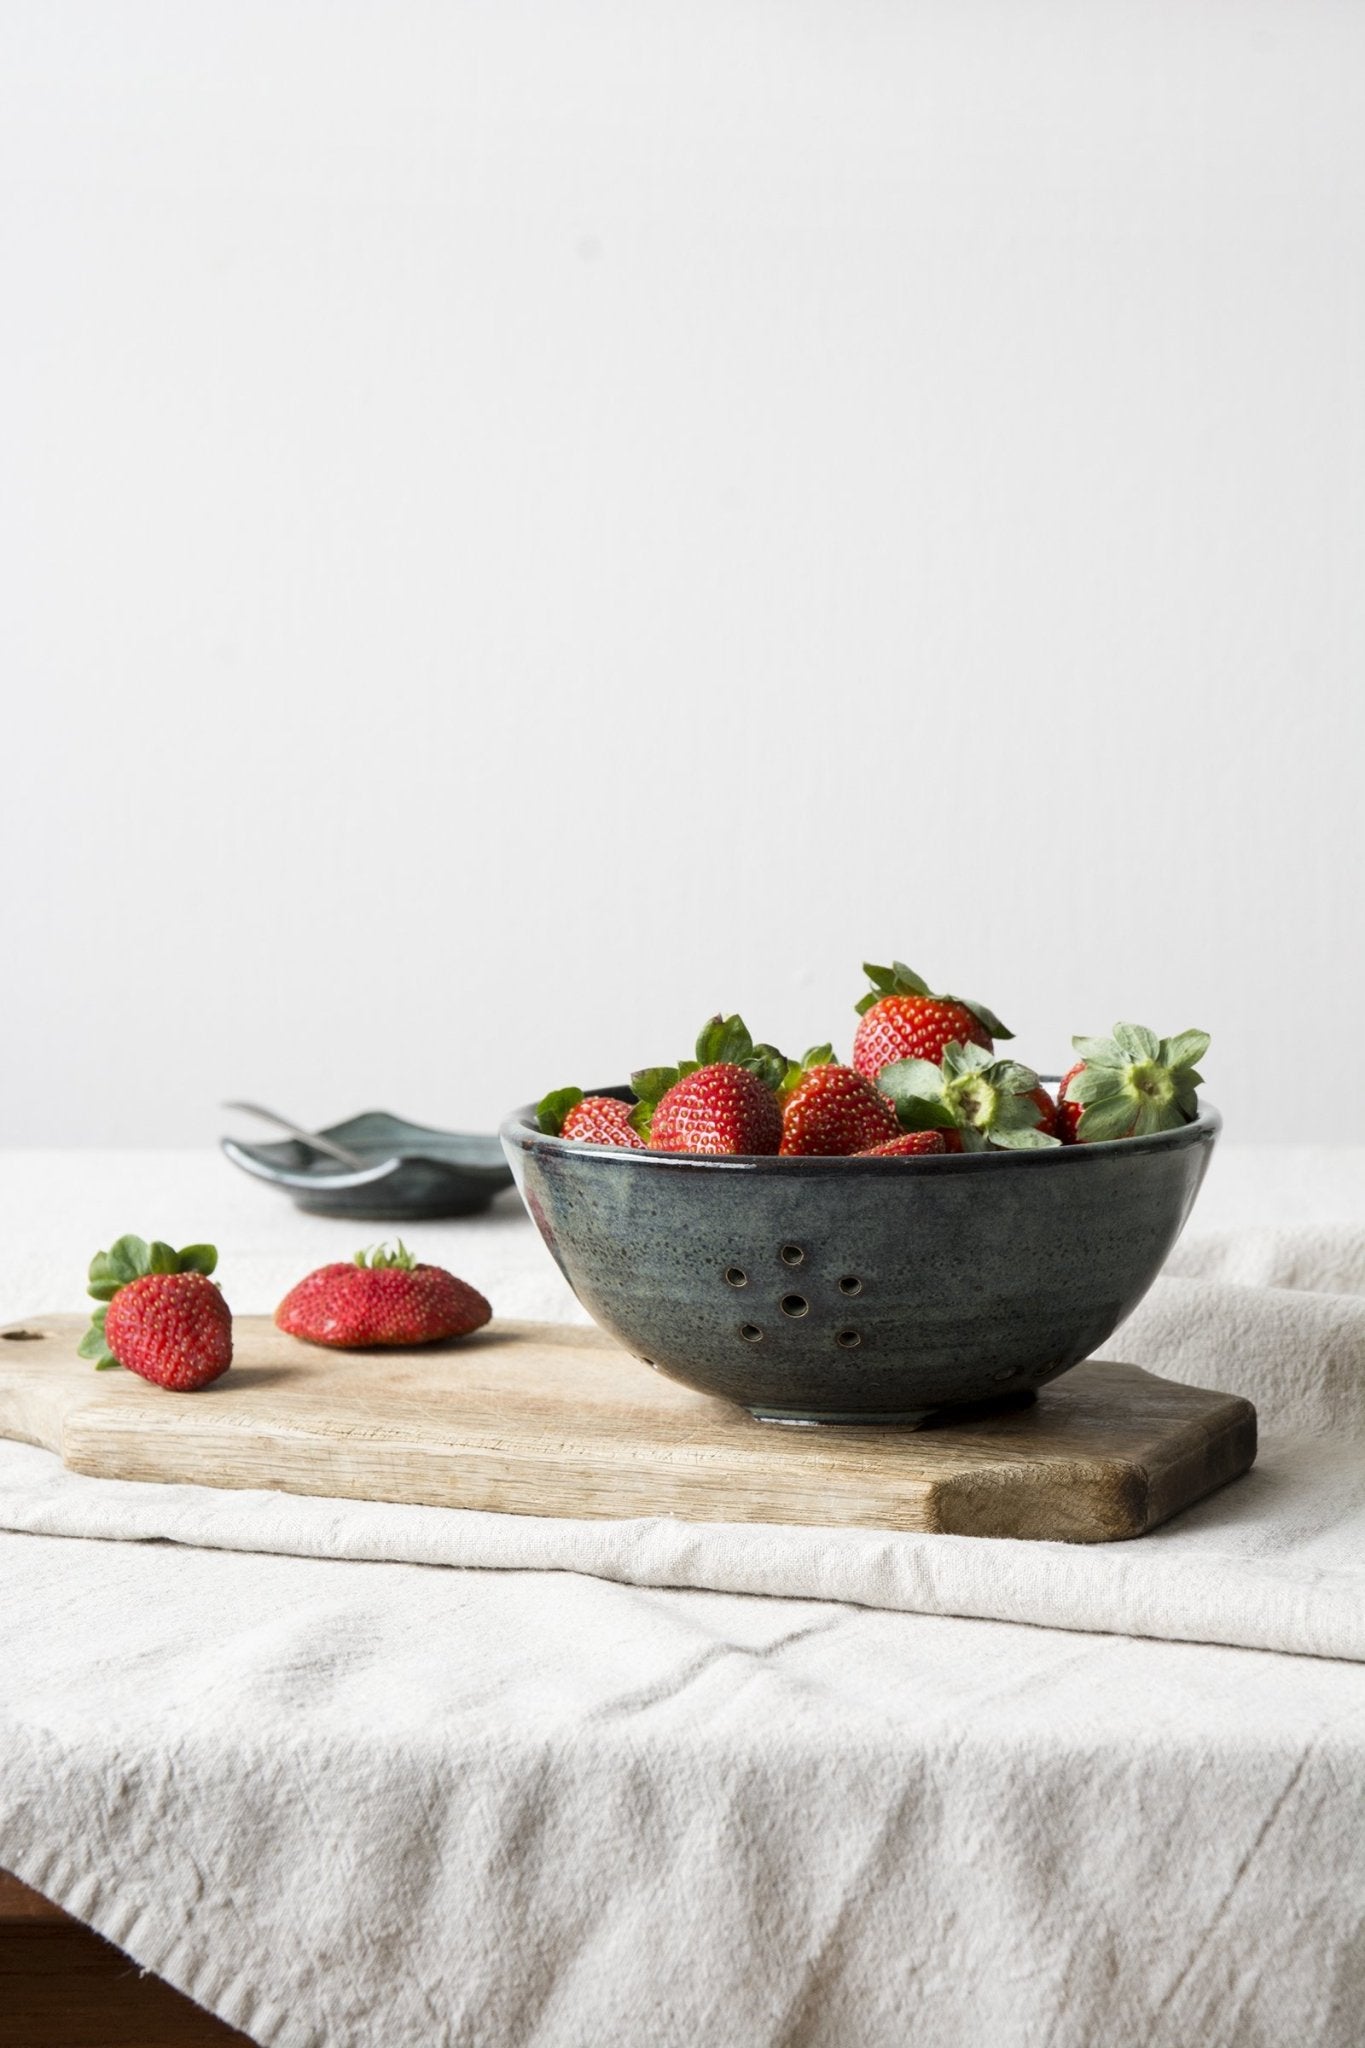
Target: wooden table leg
(64, 1986)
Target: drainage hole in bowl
(736, 1276)
(848, 1340)
(751, 1333)
(794, 1304)
(850, 1284)
(792, 1255)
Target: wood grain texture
(64, 1986)
(549, 1419)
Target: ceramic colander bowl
(861, 1290)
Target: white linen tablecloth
(347, 1802)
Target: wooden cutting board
(548, 1419)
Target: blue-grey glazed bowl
(410, 1173)
(861, 1290)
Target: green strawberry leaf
(104, 1282)
(651, 1084)
(1092, 1084)
(379, 1259)
(198, 1258)
(641, 1119)
(130, 1256)
(984, 1017)
(93, 1344)
(552, 1109)
(1186, 1049)
(1015, 1078)
(920, 1078)
(1022, 1140)
(162, 1258)
(724, 1039)
(1099, 1052)
(769, 1065)
(1136, 1041)
(1112, 1117)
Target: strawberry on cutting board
(588, 1119)
(1130, 1084)
(829, 1110)
(902, 1019)
(974, 1097)
(162, 1317)
(723, 1101)
(381, 1297)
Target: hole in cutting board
(22, 1336)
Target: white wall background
(526, 523)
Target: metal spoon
(312, 1138)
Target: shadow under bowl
(861, 1290)
(411, 1173)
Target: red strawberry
(381, 1298)
(830, 1110)
(1130, 1084)
(974, 1097)
(911, 1144)
(163, 1317)
(903, 1020)
(724, 1101)
(1068, 1112)
(1047, 1112)
(589, 1119)
(719, 1108)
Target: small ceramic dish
(410, 1173)
(861, 1290)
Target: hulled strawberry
(829, 1110)
(1130, 1084)
(161, 1315)
(381, 1297)
(903, 1019)
(912, 1145)
(983, 1100)
(724, 1101)
(588, 1119)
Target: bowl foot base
(901, 1418)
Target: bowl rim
(519, 1129)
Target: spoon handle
(312, 1138)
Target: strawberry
(830, 1110)
(1130, 1084)
(162, 1317)
(903, 1019)
(589, 1119)
(381, 1298)
(911, 1145)
(724, 1101)
(1048, 1116)
(984, 1101)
